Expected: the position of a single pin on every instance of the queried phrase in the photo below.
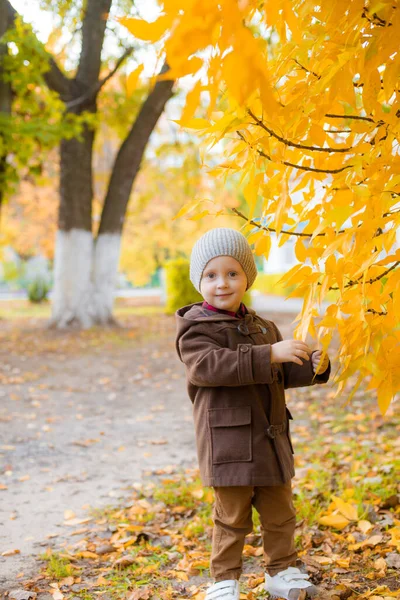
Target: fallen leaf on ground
(124, 561)
(140, 594)
(69, 514)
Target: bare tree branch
(354, 117)
(375, 312)
(301, 233)
(130, 154)
(294, 144)
(294, 166)
(369, 281)
(271, 230)
(307, 70)
(94, 90)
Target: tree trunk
(125, 170)
(5, 97)
(85, 269)
(72, 294)
(73, 299)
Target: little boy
(237, 368)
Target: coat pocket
(231, 434)
(288, 419)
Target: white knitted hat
(221, 241)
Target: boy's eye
(231, 273)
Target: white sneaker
(291, 584)
(223, 590)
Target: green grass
(58, 567)
(130, 578)
(178, 493)
(23, 309)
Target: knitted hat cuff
(221, 241)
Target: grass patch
(180, 492)
(13, 310)
(58, 567)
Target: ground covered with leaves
(156, 543)
(348, 533)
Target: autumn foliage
(305, 96)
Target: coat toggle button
(244, 348)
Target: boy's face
(223, 283)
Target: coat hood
(188, 315)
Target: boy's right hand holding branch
(290, 351)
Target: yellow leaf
(263, 246)
(150, 32)
(347, 510)
(364, 526)
(385, 395)
(192, 102)
(132, 80)
(300, 250)
(323, 560)
(56, 592)
(194, 123)
(323, 364)
(336, 521)
(343, 562)
(200, 215)
(69, 514)
(87, 554)
(10, 552)
(291, 21)
(250, 193)
(186, 208)
(371, 89)
(188, 68)
(380, 565)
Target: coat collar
(241, 312)
(196, 312)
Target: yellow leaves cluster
(313, 129)
(340, 514)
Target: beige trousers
(232, 517)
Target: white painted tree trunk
(105, 269)
(84, 278)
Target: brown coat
(240, 416)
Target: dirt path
(83, 418)
(80, 433)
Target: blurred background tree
(83, 112)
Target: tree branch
(91, 93)
(307, 70)
(93, 28)
(129, 157)
(300, 233)
(294, 144)
(271, 230)
(355, 117)
(357, 281)
(375, 312)
(294, 166)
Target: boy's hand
(290, 351)
(316, 359)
